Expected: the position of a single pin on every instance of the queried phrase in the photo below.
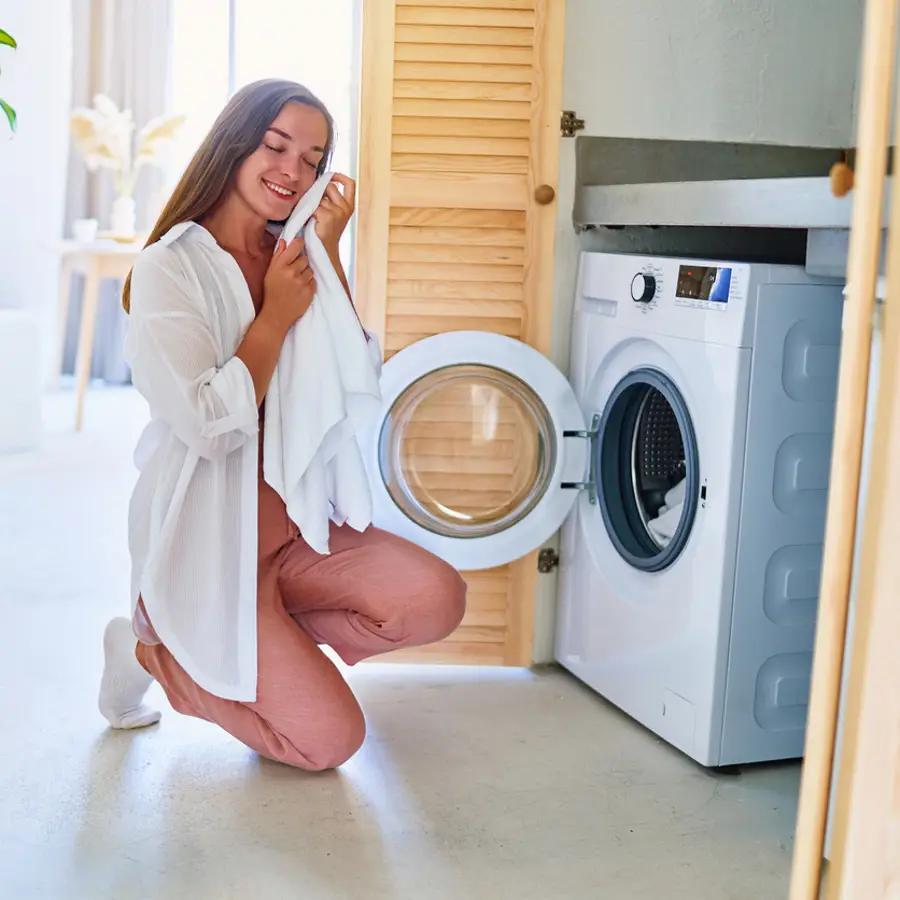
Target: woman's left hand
(334, 211)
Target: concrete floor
(476, 784)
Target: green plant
(8, 40)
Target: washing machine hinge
(548, 560)
(570, 124)
(590, 485)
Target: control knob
(643, 288)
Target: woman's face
(283, 168)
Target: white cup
(85, 230)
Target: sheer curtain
(312, 41)
(121, 48)
(239, 41)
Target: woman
(229, 604)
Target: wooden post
(866, 849)
(879, 42)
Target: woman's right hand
(289, 286)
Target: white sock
(125, 680)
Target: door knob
(842, 179)
(544, 194)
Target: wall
(768, 71)
(36, 80)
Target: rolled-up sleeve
(176, 365)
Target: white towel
(667, 519)
(323, 394)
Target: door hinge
(548, 560)
(570, 123)
(591, 437)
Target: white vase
(122, 219)
(85, 230)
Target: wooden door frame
(376, 98)
(866, 841)
(867, 808)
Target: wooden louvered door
(460, 111)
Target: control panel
(701, 299)
(694, 285)
(704, 287)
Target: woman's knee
(340, 739)
(442, 600)
(453, 593)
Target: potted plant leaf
(7, 40)
(21, 398)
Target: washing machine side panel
(793, 388)
(722, 432)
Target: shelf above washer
(746, 203)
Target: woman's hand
(334, 212)
(289, 286)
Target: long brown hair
(236, 133)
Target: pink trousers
(375, 592)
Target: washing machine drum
(647, 470)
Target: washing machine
(691, 565)
(687, 461)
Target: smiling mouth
(278, 190)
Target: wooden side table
(95, 261)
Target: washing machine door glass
(470, 454)
(648, 470)
(467, 451)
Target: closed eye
(273, 149)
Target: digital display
(709, 283)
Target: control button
(643, 288)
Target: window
(221, 45)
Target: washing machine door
(479, 450)
(647, 468)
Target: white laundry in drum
(664, 526)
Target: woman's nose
(291, 169)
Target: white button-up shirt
(193, 515)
